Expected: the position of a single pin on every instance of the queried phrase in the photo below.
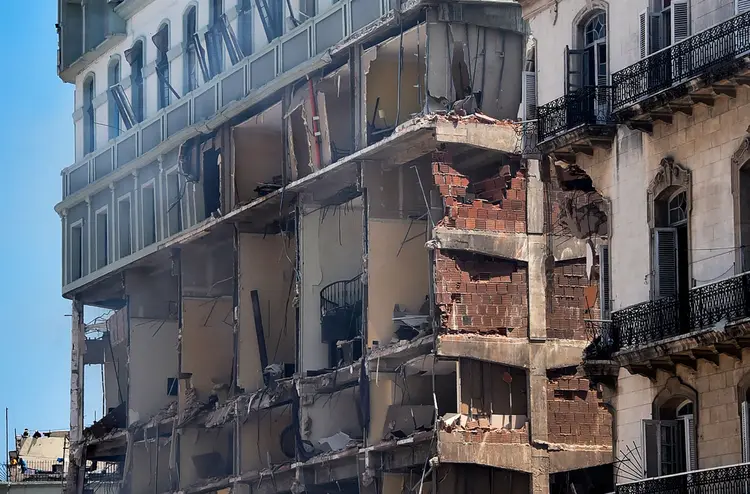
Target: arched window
(161, 41)
(245, 24)
(89, 134)
(113, 77)
(595, 39)
(191, 51)
(135, 56)
(670, 438)
(214, 41)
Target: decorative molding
(671, 176)
(675, 388)
(741, 157)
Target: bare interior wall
(338, 102)
(260, 438)
(330, 414)
(115, 375)
(258, 152)
(475, 479)
(150, 471)
(494, 391)
(331, 243)
(207, 344)
(153, 359)
(204, 453)
(267, 265)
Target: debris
(403, 420)
(336, 442)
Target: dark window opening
(102, 240)
(211, 182)
(161, 41)
(89, 135)
(113, 109)
(76, 252)
(149, 215)
(134, 57)
(245, 25)
(191, 53)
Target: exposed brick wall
(576, 413)
(497, 203)
(572, 298)
(479, 294)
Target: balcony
(729, 479)
(341, 320)
(702, 324)
(577, 123)
(696, 70)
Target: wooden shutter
(691, 453)
(665, 262)
(123, 105)
(643, 33)
(200, 53)
(529, 95)
(745, 430)
(651, 447)
(230, 40)
(680, 20)
(575, 64)
(605, 297)
(741, 6)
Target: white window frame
(76, 224)
(175, 170)
(125, 197)
(105, 210)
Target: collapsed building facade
(650, 101)
(334, 259)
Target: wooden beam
(731, 348)
(709, 355)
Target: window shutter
(123, 106)
(742, 6)
(680, 20)
(230, 39)
(529, 95)
(201, 54)
(691, 453)
(605, 297)
(745, 430)
(643, 33)
(665, 262)
(575, 63)
(651, 447)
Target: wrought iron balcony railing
(589, 105)
(710, 53)
(33, 471)
(648, 322)
(729, 479)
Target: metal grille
(649, 322)
(585, 106)
(710, 54)
(730, 480)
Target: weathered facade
(335, 259)
(649, 102)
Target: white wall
(331, 251)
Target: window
(134, 56)
(245, 24)
(213, 37)
(113, 76)
(667, 22)
(148, 199)
(172, 386)
(102, 237)
(89, 135)
(670, 439)
(161, 41)
(124, 230)
(76, 251)
(174, 208)
(191, 51)
(587, 66)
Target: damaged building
(334, 259)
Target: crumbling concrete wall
(204, 453)
(258, 152)
(572, 298)
(260, 438)
(150, 470)
(479, 294)
(576, 412)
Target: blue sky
(37, 131)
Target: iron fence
(33, 471)
(103, 477)
(589, 105)
(710, 53)
(733, 479)
(648, 322)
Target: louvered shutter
(529, 95)
(643, 33)
(651, 447)
(680, 20)
(742, 6)
(691, 453)
(123, 106)
(605, 298)
(745, 430)
(665, 262)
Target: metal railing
(33, 471)
(710, 53)
(648, 322)
(341, 294)
(589, 105)
(733, 479)
(104, 476)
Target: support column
(538, 253)
(77, 460)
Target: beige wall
(266, 264)
(718, 433)
(258, 152)
(261, 434)
(199, 441)
(331, 413)
(153, 359)
(331, 242)
(394, 278)
(207, 342)
(145, 472)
